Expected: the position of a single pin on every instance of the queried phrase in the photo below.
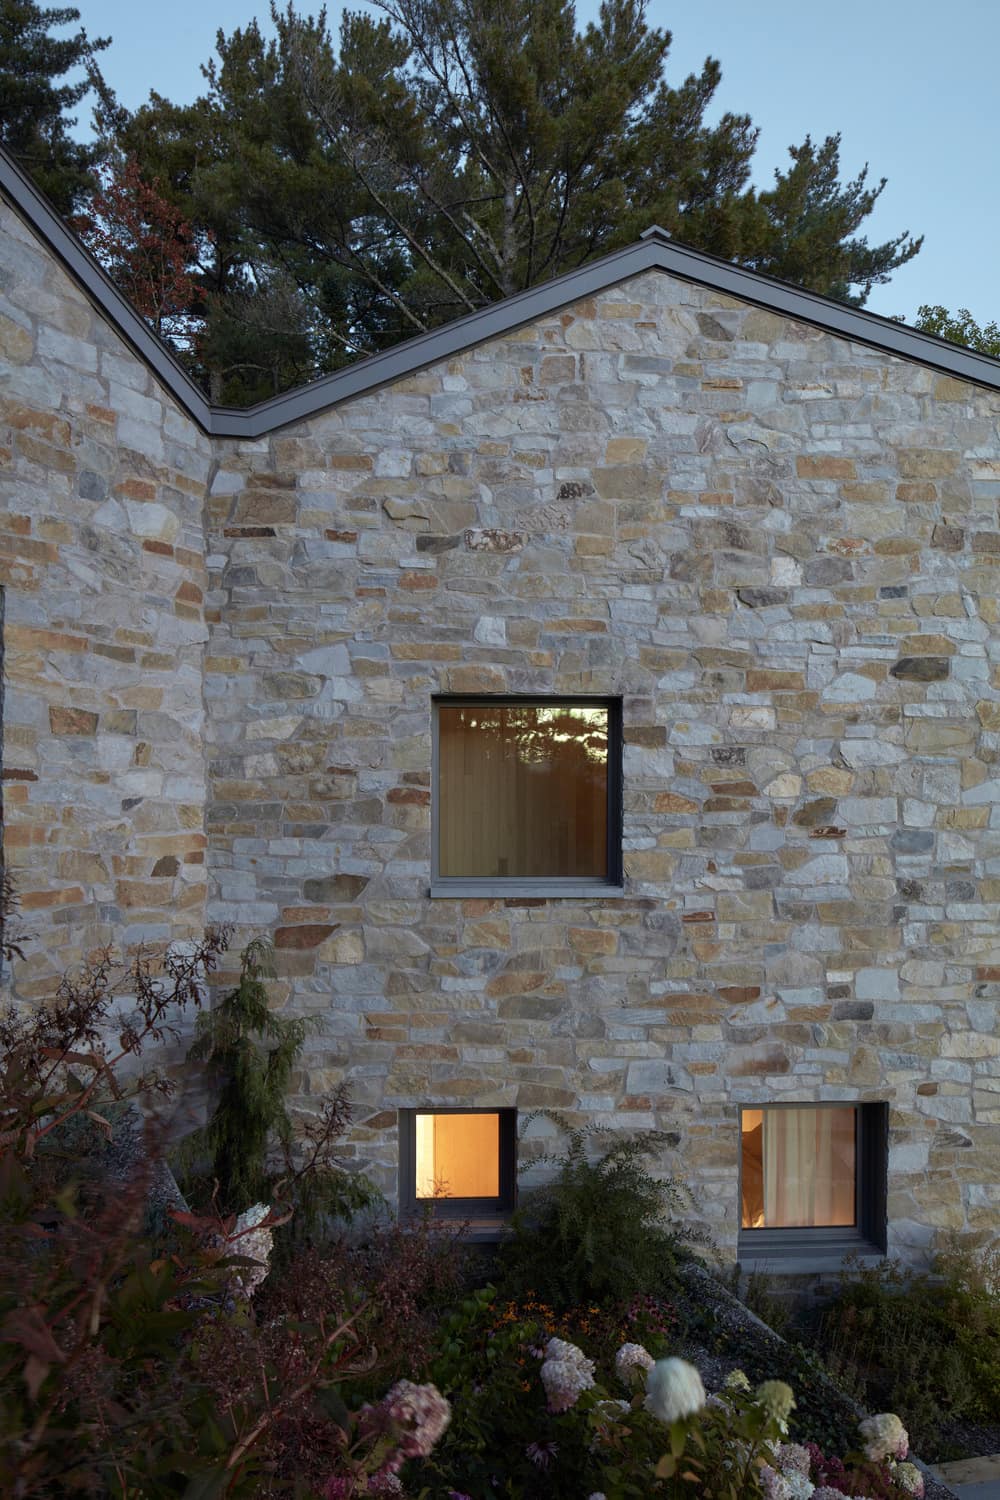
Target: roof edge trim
(101, 290)
(654, 251)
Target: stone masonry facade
(779, 548)
(102, 483)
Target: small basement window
(812, 1180)
(527, 796)
(457, 1163)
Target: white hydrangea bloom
(256, 1244)
(631, 1363)
(674, 1390)
(566, 1374)
(884, 1436)
(911, 1479)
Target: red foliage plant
(145, 244)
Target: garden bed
(723, 1334)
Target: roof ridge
(654, 250)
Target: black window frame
(610, 884)
(500, 1207)
(869, 1233)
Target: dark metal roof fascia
(655, 251)
(441, 343)
(101, 290)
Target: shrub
(249, 1150)
(133, 1363)
(927, 1345)
(535, 1416)
(600, 1230)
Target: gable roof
(655, 251)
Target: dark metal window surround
(868, 1233)
(608, 884)
(458, 1208)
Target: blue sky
(911, 85)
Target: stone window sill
(555, 890)
(808, 1260)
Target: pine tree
(452, 152)
(34, 124)
(251, 1052)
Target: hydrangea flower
(911, 1479)
(632, 1362)
(776, 1398)
(256, 1244)
(673, 1390)
(566, 1374)
(422, 1412)
(884, 1437)
(561, 1349)
(774, 1485)
(793, 1458)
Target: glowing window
(527, 791)
(457, 1161)
(458, 1156)
(799, 1168)
(813, 1176)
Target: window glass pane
(798, 1168)
(523, 791)
(458, 1156)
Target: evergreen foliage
(600, 1230)
(34, 124)
(249, 1151)
(252, 1052)
(960, 328)
(349, 191)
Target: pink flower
(541, 1454)
(421, 1411)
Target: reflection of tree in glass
(523, 790)
(532, 731)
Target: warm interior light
(798, 1168)
(523, 791)
(458, 1156)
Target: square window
(812, 1178)
(457, 1162)
(527, 795)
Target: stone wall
(781, 550)
(102, 484)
